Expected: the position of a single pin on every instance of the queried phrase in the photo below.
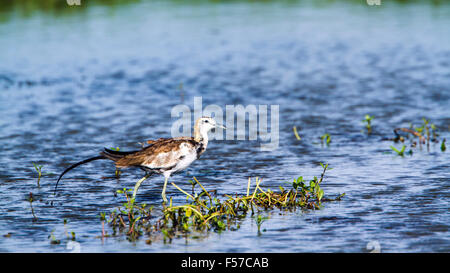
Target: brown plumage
(149, 154)
(163, 156)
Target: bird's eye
(206, 121)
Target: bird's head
(205, 124)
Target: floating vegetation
(204, 212)
(368, 123)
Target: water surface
(108, 76)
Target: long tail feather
(115, 154)
(76, 165)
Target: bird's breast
(185, 161)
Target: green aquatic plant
(427, 133)
(38, 169)
(203, 212)
(299, 182)
(426, 126)
(72, 234)
(103, 219)
(193, 183)
(428, 129)
(400, 152)
(368, 123)
(53, 239)
(128, 216)
(325, 138)
(259, 220)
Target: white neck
(201, 134)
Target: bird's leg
(136, 187)
(163, 194)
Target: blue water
(108, 76)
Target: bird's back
(163, 153)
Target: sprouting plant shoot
(401, 152)
(368, 121)
(429, 130)
(72, 234)
(103, 219)
(193, 183)
(259, 220)
(53, 239)
(38, 169)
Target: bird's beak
(221, 126)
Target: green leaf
(320, 194)
(188, 212)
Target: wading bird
(163, 156)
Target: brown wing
(151, 142)
(150, 153)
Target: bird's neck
(201, 136)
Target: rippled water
(109, 76)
